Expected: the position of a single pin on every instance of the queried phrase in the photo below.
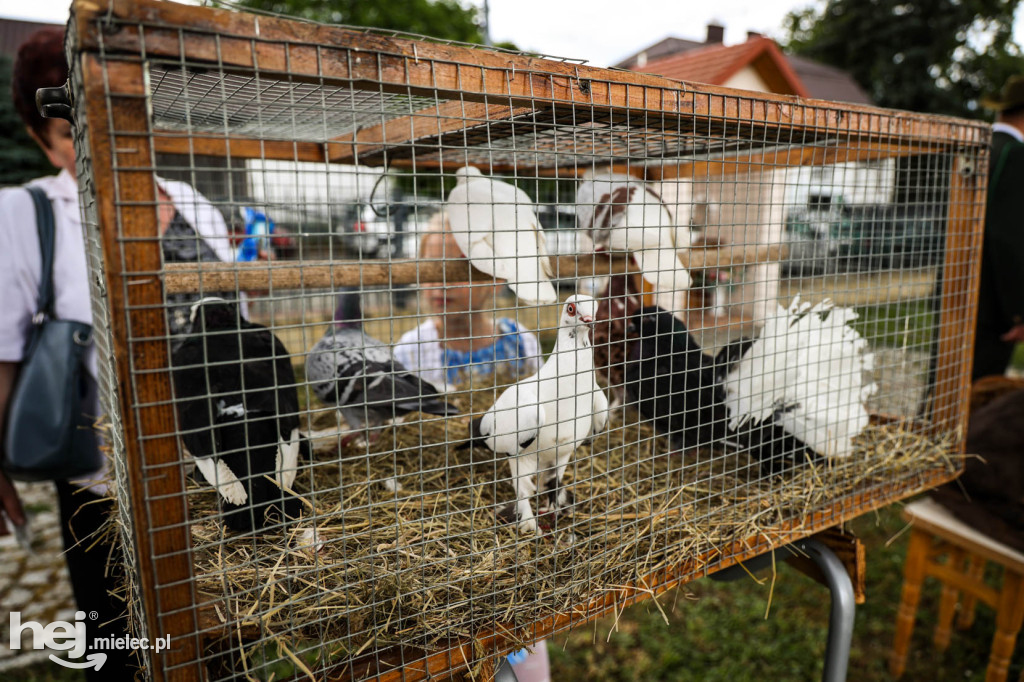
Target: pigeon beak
(586, 319)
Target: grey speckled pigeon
(357, 373)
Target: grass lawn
(904, 324)
(718, 631)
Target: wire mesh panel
(417, 353)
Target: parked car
(826, 237)
(899, 236)
(384, 231)
(819, 236)
(363, 227)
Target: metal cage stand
(840, 628)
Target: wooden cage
(193, 93)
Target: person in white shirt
(463, 339)
(192, 229)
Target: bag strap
(45, 227)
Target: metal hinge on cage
(966, 165)
(56, 102)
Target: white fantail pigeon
(539, 422)
(623, 213)
(357, 373)
(495, 226)
(804, 378)
(238, 411)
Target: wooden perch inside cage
(195, 277)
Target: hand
(1015, 335)
(10, 506)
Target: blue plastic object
(258, 228)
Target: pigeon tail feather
(428, 406)
(810, 359)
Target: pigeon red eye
(571, 309)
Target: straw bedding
(401, 543)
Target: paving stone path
(36, 584)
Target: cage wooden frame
(496, 92)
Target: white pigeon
(539, 422)
(623, 213)
(807, 373)
(495, 226)
(600, 417)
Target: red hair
(40, 64)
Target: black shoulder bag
(47, 436)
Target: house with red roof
(756, 64)
(756, 207)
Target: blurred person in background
(463, 338)
(191, 229)
(1001, 292)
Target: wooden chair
(935, 533)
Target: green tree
(445, 19)
(22, 159)
(935, 56)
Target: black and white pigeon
(539, 422)
(360, 375)
(238, 411)
(673, 383)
